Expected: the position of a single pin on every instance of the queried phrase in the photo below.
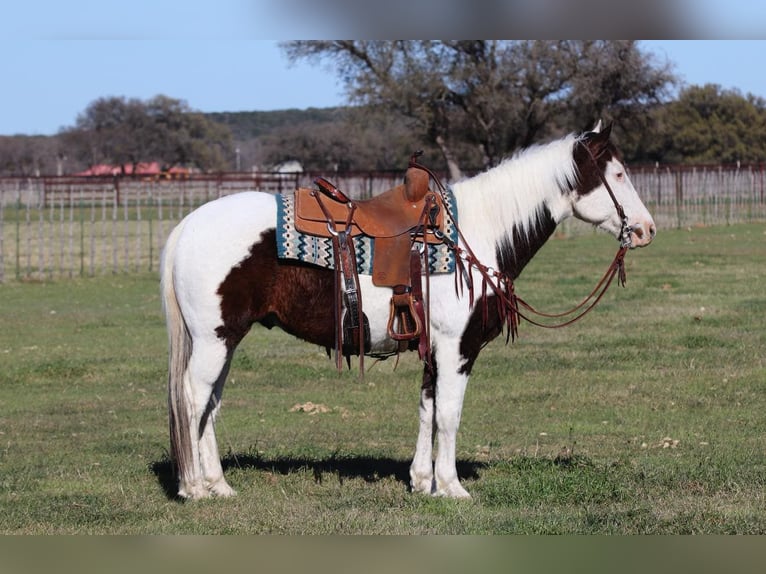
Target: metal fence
(64, 227)
(682, 196)
(53, 227)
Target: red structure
(140, 169)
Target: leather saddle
(393, 218)
(401, 221)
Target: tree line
(467, 104)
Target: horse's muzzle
(642, 233)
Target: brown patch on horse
(262, 288)
(602, 150)
(430, 374)
(513, 252)
(479, 332)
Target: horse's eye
(620, 176)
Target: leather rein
(510, 306)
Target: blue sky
(60, 56)
(54, 80)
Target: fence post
(41, 231)
(161, 226)
(659, 183)
(115, 211)
(760, 203)
(150, 209)
(679, 197)
(81, 211)
(18, 231)
(126, 232)
(2, 236)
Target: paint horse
(220, 274)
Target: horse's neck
(509, 212)
(517, 248)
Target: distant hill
(248, 125)
(346, 138)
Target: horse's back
(245, 210)
(221, 232)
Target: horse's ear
(599, 128)
(598, 139)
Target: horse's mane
(513, 194)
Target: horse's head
(600, 169)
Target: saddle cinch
(401, 221)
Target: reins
(512, 308)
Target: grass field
(656, 401)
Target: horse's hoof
(422, 484)
(221, 488)
(193, 491)
(453, 490)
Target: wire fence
(58, 227)
(682, 196)
(65, 227)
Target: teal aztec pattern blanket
(291, 244)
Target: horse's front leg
(422, 467)
(450, 390)
(441, 402)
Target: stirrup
(404, 322)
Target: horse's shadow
(369, 468)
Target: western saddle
(402, 221)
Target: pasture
(647, 417)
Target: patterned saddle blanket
(292, 244)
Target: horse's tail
(179, 352)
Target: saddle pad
(292, 244)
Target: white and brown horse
(221, 274)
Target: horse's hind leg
(206, 374)
(210, 459)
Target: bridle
(625, 229)
(512, 308)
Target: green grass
(645, 417)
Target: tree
(616, 79)
(124, 131)
(29, 155)
(354, 140)
(494, 95)
(709, 124)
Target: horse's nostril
(652, 231)
(638, 230)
